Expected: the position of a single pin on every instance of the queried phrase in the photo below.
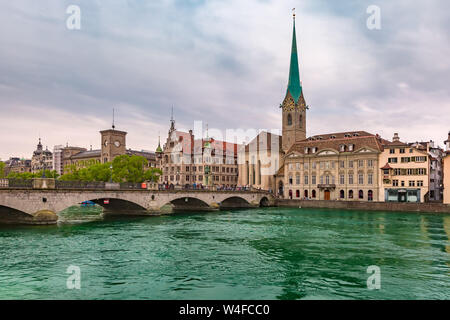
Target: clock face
(117, 144)
(106, 143)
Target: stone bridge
(42, 206)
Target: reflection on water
(243, 254)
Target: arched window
(289, 119)
(314, 194)
(342, 194)
(361, 194)
(297, 193)
(350, 194)
(306, 193)
(370, 195)
(301, 121)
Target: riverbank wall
(372, 206)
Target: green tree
(125, 168)
(2, 169)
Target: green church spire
(294, 86)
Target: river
(271, 253)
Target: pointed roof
(294, 85)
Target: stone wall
(367, 206)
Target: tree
(2, 169)
(125, 168)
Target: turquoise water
(244, 254)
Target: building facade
(186, 161)
(446, 171)
(337, 166)
(259, 161)
(18, 165)
(42, 159)
(113, 144)
(404, 172)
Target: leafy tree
(2, 169)
(125, 168)
(29, 175)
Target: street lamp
(43, 168)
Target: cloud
(223, 62)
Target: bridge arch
(264, 202)
(112, 205)
(235, 202)
(189, 203)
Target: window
(342, 194)
(370, 163)
(314, 194)
(313, 179)
(297, 165)
(422, 172)
(370, 195)
(351, 147)
(360, 179)
(327, 179)
(360, 163)
(403, 183)
(342, 179)
(392, 160)
(350, 164)
(402, 150)
(370, 178)
(420, 183)
(341, 164)
(412, 183)
(392, 151)
(301, 121)
(306, 179)
(297, 179)
(342, 148)
(306, 150)
(361, 194)
(306, 193)
(350, 194)
(395, 183)
(350, 179)
(406, 159)
(290, 166)
(314, 165)
(290, 180)
(297, 193)
(306, 165)
(289, 119)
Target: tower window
(301, 121)
(289, 119)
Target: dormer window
(351, 147)
(356, 134)
(314, 149)
(333, 137)
(347, 135)
(342, 148)
(306, 150)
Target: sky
(223, 62)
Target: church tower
(294, 106)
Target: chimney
(396, 138)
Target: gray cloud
(223, 62)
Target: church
(331, 166)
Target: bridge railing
(59, 184)
(20, 183)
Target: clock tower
(294, 106)
(113, 144)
